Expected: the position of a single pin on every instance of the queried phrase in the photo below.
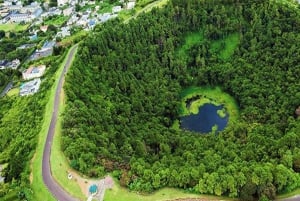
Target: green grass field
(128, 15)
(122, 194)
(190, 40)
(13, 92)
(224, 48)
(13, 27)
(230, 44)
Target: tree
(2, 34)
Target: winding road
(57, 191)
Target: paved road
(7, 88)
(56, 190)
(294, 198)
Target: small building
(33, 72)
(130, 5)
(91, 23)
(14, 64)
(68, 11)
(14, 8)
(30, 87)
(116, 9)
(62, 2)
(20, 17)
(37, 13)
(65, 31)
(33, 37)
(48, 45)
(25, 46)
(3, 64)
(44, 28)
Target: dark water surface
(205, 119)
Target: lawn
(13, 92)
(123, 194)
(13, 27)
(225, 47)
(40, 190)
(126, 16)
(190, 40)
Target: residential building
(65, 31)
(44, 28)
(33, 72)
(20, 17)
(14, 8)
(130, 5)
(26, 46)
(68, 11)
(62, 2)
(116, 9)
(30, 87)
(14, 64)
(45, 51)
(48, 45)
(3, 64)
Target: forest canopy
(123, 93)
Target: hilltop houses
(33, 72)
(30, 87)
(18, 13)
(45, 51)
(14, 64)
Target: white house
(130, 5)
(12, 8)
(116, 9)
(65, 31)
(62, 2)
(30, 87)
(33, 72)
(15, 64)
(21, 17)
(68, 11)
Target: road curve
(294, 198)
(57, 191)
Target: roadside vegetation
(123, 93)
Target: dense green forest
(123, 98)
